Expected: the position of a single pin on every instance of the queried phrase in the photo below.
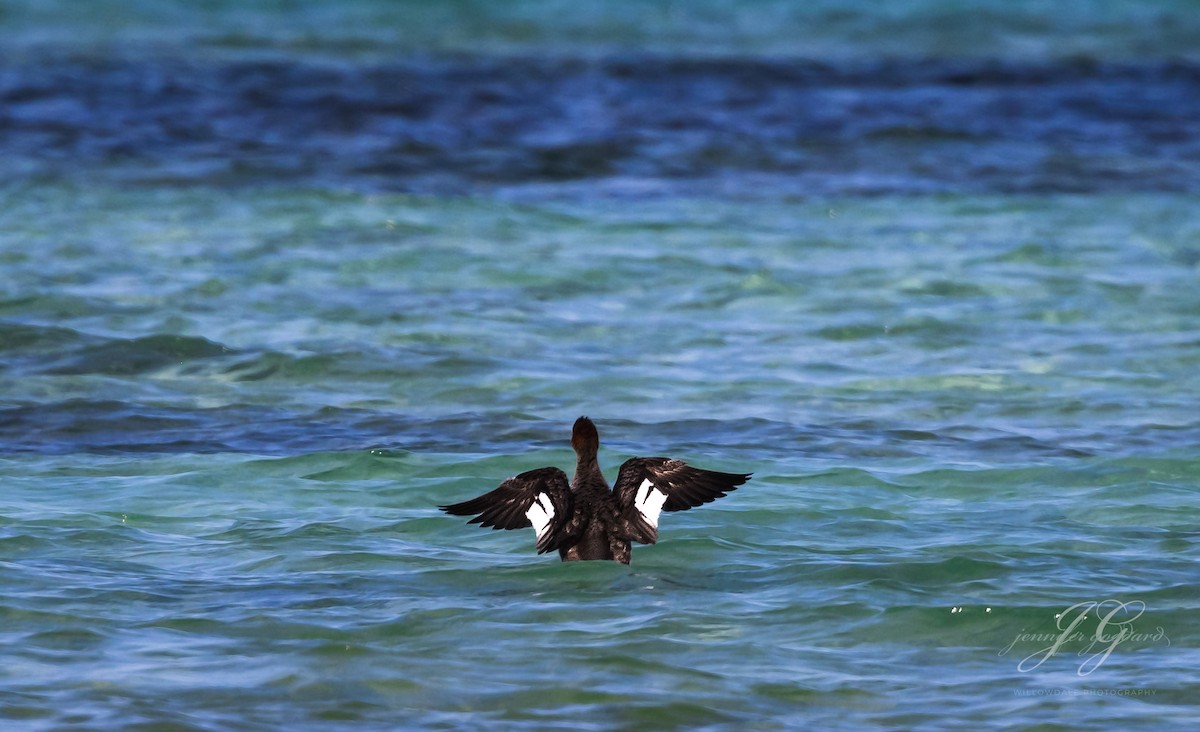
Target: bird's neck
(587, 470)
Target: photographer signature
(1114, 626)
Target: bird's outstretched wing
(539, 498)
(647, 486)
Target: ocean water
(277, 279)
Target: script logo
(1113, 626)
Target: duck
(585, 519)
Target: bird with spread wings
(585, 519)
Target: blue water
(277, 280)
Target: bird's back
(595, 523)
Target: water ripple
(857, 127)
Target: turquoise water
(275, 282)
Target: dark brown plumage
(585, 519)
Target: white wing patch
(649, 502)
(540, 514)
